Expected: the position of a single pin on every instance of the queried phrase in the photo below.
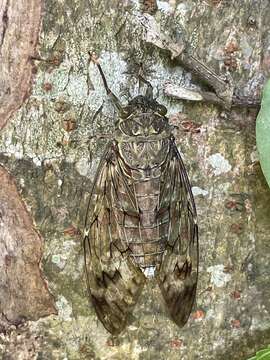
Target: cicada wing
(178, 271)
(114, 282)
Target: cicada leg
(109, 92)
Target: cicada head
(143, 116)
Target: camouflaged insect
(141, 217)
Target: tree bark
(19, 30)
(23, 291)
(51, 148)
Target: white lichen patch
(77, 89)
(68, 246)
(165, 7)
(220, 191)
(37, 161)
(33, 138)
(63, 253)
(79, 269)
(198, 191)
(210, 314)
(136, 4)
(59, 260)
(83, 166)
(219, 164)
(149, 271)
(182, 11)
(218, 277)
(64, 309)
(133, 328)
(22, 182)
(11, 145)
(37, 132)
(260, 321)
(217, 315)
(223, 188)
(254, 156)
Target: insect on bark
(141, 217)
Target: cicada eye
(125, 112)
(158, 124)
(135, 128)
(161, 109)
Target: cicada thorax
(143, 144)
(143, 139)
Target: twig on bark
(182, 93)
(225, 94)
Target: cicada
(141, 218)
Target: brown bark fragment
(19, 29)
(23, 292)
(149, 6)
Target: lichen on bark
(19, 30)
(23, 291)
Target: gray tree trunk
(47, 146)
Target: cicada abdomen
(141, 217)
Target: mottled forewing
(178, 272)
(114, 281)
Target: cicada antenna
(149, 90)
(112, 96)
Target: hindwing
(114, 281)
(178, 271)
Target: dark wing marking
(114, 281)
(178, 272)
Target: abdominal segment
(143, 232)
